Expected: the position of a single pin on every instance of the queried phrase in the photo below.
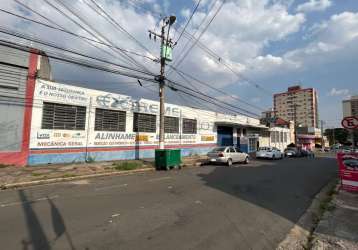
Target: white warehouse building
(60, 123)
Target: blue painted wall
(39, 159)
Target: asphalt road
(212, 207)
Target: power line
(78, 24)
(87, 64)
(201, 34)
(175, 84)
(220, 60)
(52, 45)
(73, 34)
(201, 23)
(209, 101)
(118, 26)
(187, 23)
(217, 58)
(67, 59)
(60, 26)
(95, 34)
(181, 73)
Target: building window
(277, 139)
(63, 116)
(171, 124)
(144, 122)
(252, 145)
(189, 126)
(281, 136)
(110, 120)
(284, 137)
(273, 138)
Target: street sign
(350, 122)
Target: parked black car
(293, 152)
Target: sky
(268, 45)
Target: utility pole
(322, 122)
(165, 47)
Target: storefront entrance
(225, 136)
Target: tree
(337, 135)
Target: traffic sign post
(351, 123)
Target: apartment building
(350, 107)
(299, 105)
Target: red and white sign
(350, 122)
(348, 170)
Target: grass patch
(325, 205)
(126, 165)
(68, 175)
(36, 174)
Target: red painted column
(20, 158)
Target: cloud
(314, 5)
(240, 41)
(334, 40)
(338, 92)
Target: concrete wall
(17, 81)
(13, 76)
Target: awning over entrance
(236, 124)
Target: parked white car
(269, 153)
(227, 155)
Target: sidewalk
(338, 228)
(10, 176)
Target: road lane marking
(109, 187)
(32, 201)
(160, 178)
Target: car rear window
(265, 149)
(219, 149)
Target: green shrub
(90, 159)
(68, 175)
(126, 165)
(36, 174)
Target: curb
(72, 178)
(64, 179)
(298, 237)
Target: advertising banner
(348, 170)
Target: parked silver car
(227, 155)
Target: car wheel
(246, 160)
(229, 162)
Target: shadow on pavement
(37, 235)
(38, 238)
(58, 224)
(284, 188)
